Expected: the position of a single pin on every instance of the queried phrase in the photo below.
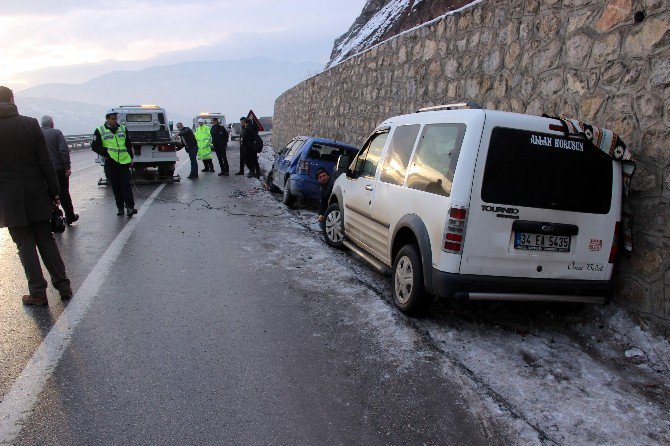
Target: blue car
(294, 170)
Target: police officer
(191, 147)
(203, 136)
(113, 144)
(220, 143)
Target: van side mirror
(343, 164)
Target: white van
(482, 205)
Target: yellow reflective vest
(115, 143)
(203, 135)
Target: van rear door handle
(369, 187)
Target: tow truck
(154, 148)
(207, 117)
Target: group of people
(205, 140)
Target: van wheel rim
(404, 280)
(333, 227)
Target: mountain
(231, 87)
(382, 19)
(72, 118)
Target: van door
(542, 205)
(359, 189)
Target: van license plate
(542, 242)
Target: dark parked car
(294, 170)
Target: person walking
(203, 136)
(111, 141)
(60, 157)
(191, 147)
(28, 193)
(249, 136)
(220, 143)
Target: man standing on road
(248, 137)
(326, 184)
(60, 156)
(203, 135)
(241, 141)
(111, 141)
(191, 147)
(220, 143)
(28, 193)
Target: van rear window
(538, 170)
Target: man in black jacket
(326, 183)
(117, 150)
(220, 143)
(191, 147)
(28, 193)
(248, 138)
(60, 156)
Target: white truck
(207, 117)
(153, 146)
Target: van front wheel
(333, 229)
(408, 290)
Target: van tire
(332, 234)
(288, 199)
(408, 289)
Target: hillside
(381, 19)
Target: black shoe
(222, 174)
(251, 175)
(205, 170)
(211, 169)
(74, 218)
(119, 211)
(241, 172)
(190, 177)
(131, 211)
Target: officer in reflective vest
(113, 144)
(203, 136)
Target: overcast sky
(73, 41)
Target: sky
(73, 41)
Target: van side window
(367, 160)
(288, 147)
(397, 158)
(432, 168)
(294, 149)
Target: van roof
(462, 115)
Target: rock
(451, 68)
(435, 69)
(492, 62)
(656, 147)
(613, 72)
(548, 57)
(605, 50)
(512, 56)
(551, 82)
(575, 82)
(429, 50)
(577, 50)
(616, 12)
(660, 71)
(646, 178)
(578, 19)
(652, 33)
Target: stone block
(509, 33)
(548, 26)
(532, 7)
(649, 106)
(613, 72)
(512, 56)
(527, 29)
(646, 180)
(429, 50)
(492, 62)
(451, 68)
(547, 57)
(578, 20)
(656, 147)
(633, 291)
(551, 82)
(435, 69)
(649, 35)
(472, 88)
(576, 82)
(660, 70)
(577, 51)
(615, 13)
(605, 50)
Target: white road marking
(18, 403)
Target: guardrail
(75, 142)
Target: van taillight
(453, 239)
(303, 166)
(615, 243)
(166, 148)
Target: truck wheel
(333, 230)
(408, 290)
(288, 199)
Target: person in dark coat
(117, 150)
(220, 143)
(28, 193)
(326, 184)
(248, 137)
(191, 147)
(241, 141)
(60, 156)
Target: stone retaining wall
(581, 58)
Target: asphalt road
(210, 327)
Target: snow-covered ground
(546, 374)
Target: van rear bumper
(475, 287)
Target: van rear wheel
(288, 199)
(408, 290)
